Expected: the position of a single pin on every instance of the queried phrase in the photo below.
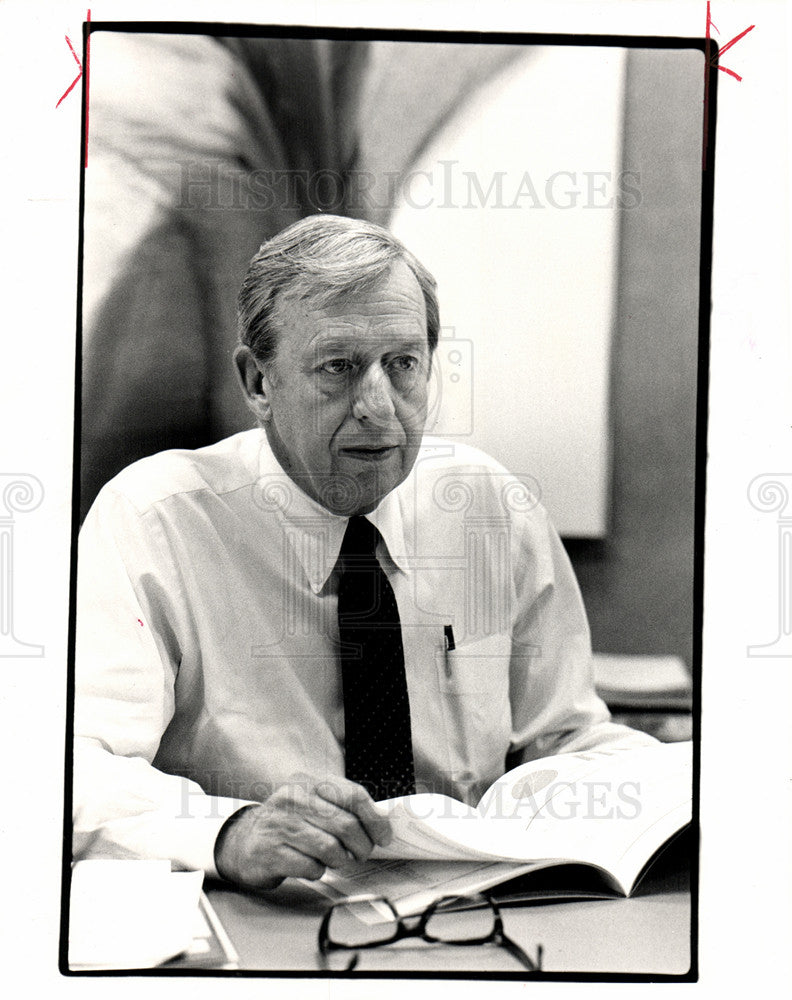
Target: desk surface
(648, 933)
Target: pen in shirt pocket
(449, 646)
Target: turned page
(598, 806)
(590, 806)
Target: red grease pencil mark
(140, 623)
(77, 78)
(73, 84)
(87, 85)
(713, 62)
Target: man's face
(347, 392)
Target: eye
(336, 366)
(405, 363)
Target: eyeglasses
(370, 921)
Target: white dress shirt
(207, 669)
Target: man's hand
(303, 828)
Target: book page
(427, 827)
(592, 806)
(412, 885)
(596, 806)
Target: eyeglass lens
(457, 920)
(361, 924)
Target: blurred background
(554, 191)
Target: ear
(254, 383)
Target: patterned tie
(378, 741)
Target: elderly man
(278, 630)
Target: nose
(372, 396)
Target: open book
(609, 809)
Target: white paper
(130, 914)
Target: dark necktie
(378, 741)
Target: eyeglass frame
(497, 935)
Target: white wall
(514, 208)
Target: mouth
(369, 453)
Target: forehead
(393, 308)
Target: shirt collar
(387, 518)
(314, 533)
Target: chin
(358, 490)
(371, 494)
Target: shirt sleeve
(126, 659)
(555, 707)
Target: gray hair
(321, 258)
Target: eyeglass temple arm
(324, 961)
(522, 956)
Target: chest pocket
(478, 667)
(473, 681)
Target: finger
(316, 842)
(295, 818)
(354, 798)
(345, 828)
(305, 819)
(293, 863)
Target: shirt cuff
(193, 837)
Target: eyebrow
(345, 344)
